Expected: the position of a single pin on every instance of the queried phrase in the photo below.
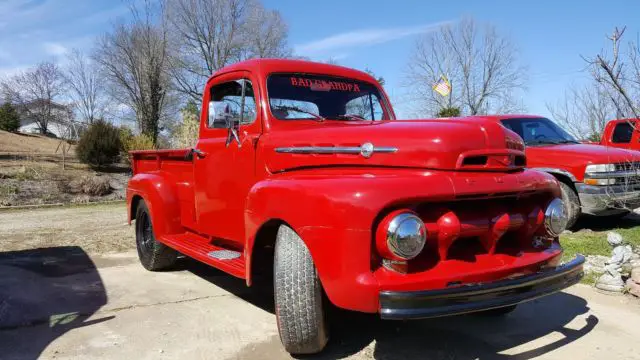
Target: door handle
(199, 153)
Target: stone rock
(633, 287)
(635, 275)
(614, 238)
(609, 282)
(595, 263)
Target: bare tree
(209, 35)
(621, 82)
(480, 64)
(584, 111)
(134, 58)
(35, 93)
(86, 86)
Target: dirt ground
(62, 297)
(36, 181)
(95, 229)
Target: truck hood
(428, 144)
(578, 154)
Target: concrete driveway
(60, 303)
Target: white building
(60, 125)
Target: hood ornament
(366, 150)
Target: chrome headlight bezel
(555, 217)
(599, 168)
(406, 235)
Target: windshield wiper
(349, 117)
(568, 142)
(293, 108)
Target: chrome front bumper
(478, 297)
(608, 200)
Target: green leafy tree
(100, 144)
(448, 112)
(9, 119)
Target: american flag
(442, 87)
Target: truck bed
(170, 160)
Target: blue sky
(379, 35)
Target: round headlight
(406, 235)
(555, 217)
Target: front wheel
(571, 204)
(298, 296)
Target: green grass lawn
(590, 238)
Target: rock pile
(623, 264)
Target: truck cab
(621, 133)
(303, 176)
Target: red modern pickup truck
(621, 133)
(594, 179)
(302, 172)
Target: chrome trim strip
(333, 150)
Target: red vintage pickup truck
(302, 172)
(621, 133)
(594, 179)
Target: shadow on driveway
(470, 336)
(58, 286)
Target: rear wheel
(571, 203)
(153, 255)
(298, 296)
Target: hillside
(11, 143)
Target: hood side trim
(365, 150)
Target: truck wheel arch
(259, 252)
(154, 189)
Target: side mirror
(219, 115)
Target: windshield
(538, 131)
(321, 97)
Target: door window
(622, 133)
(227, 100)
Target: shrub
(448, 112)
(100, 145)
(186, 134)
(132, 142)
(9, 119)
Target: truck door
(224, 166)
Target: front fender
(335, 214)
(159, 192)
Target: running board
(199, 248)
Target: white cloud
(364, 37)
(55, 49)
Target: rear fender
(159, 193)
